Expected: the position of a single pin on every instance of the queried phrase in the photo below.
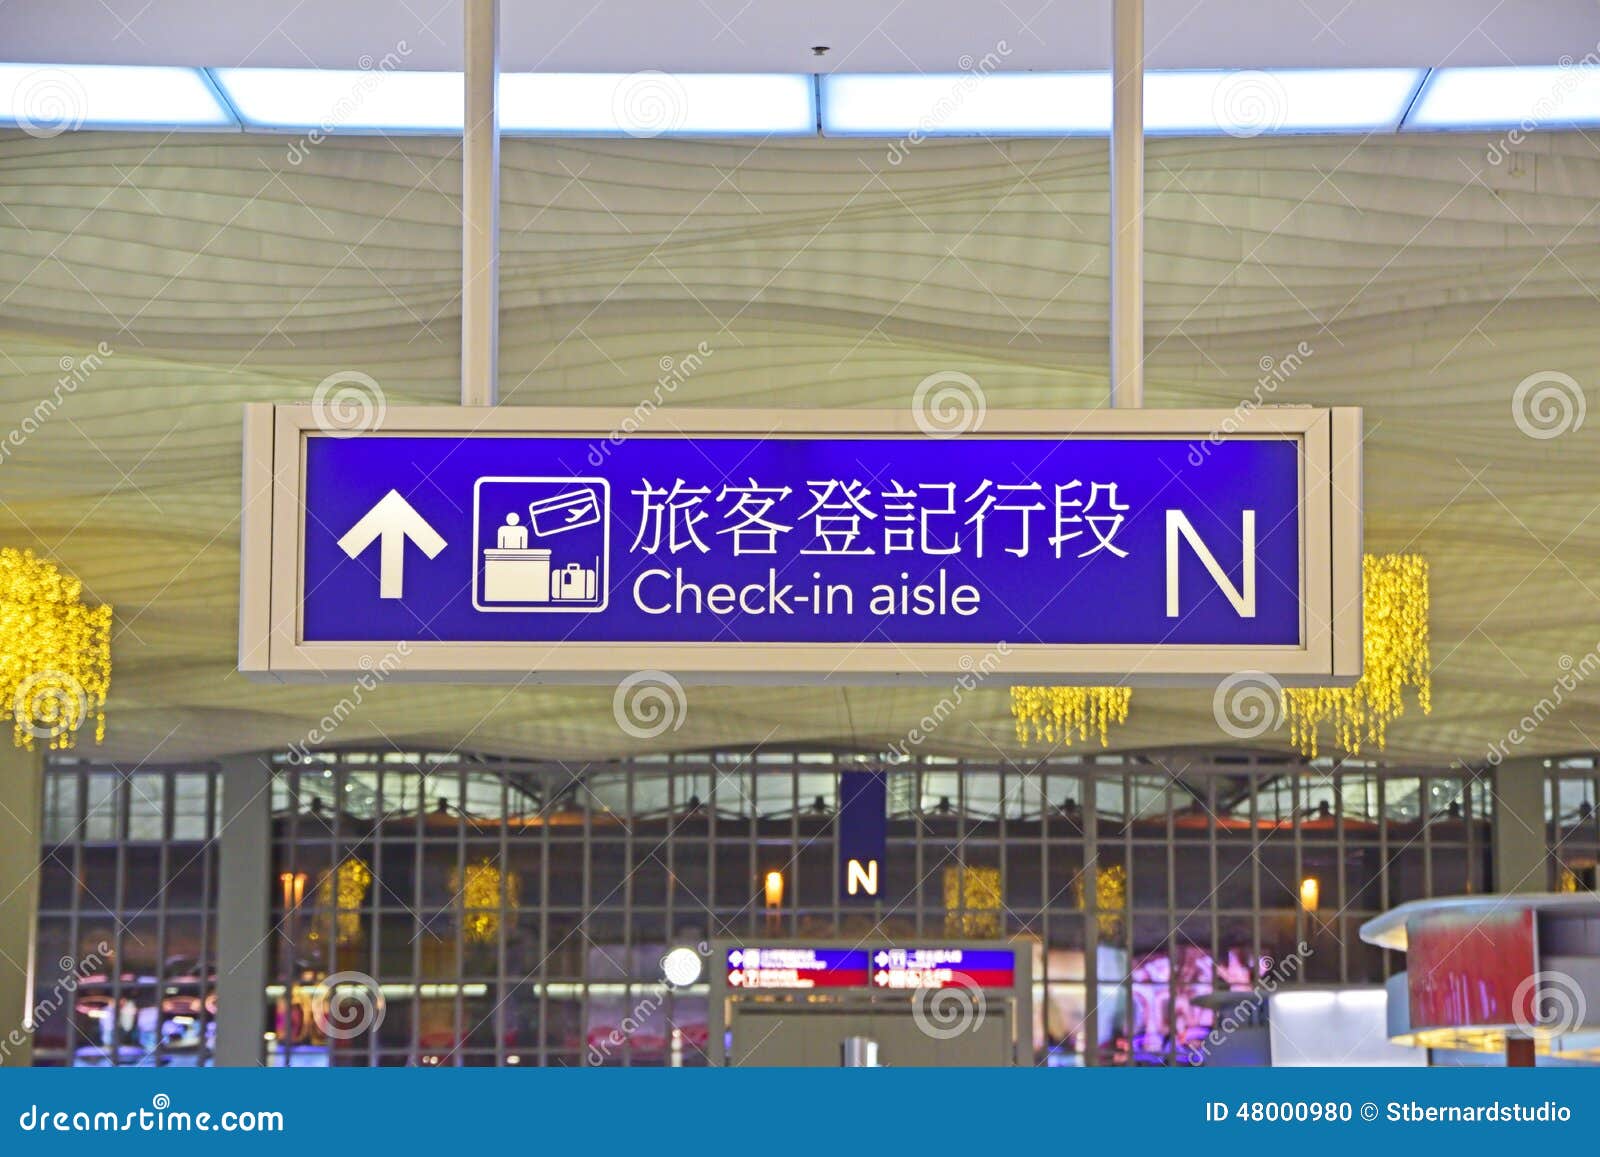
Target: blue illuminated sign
(1087, 541)
(863, 825)
(788, 967)
(931, 967)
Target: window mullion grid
(1253, 778)
(163, 868)
(120, 788)
(207, 965)
(502, 993)
(628, 944)
(1341, 871)
(1169, 797)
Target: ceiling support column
(1520, 840)
(244, 866)
(21, 815)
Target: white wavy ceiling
(1427, 281)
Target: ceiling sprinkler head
(819, 50)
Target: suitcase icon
(573, 583)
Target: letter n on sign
(863, 833)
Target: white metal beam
(1127, 204)
(480, 208)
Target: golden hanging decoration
(55, 653)
(1110, 897)
(1057, 714)
(972, 902)
(480, 895)
(1394, 653)
(340, 895)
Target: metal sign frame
(272, 646)
(720, 998)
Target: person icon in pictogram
(511, 535)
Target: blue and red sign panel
(1082, 541)
(884, 967)
(894, 968)
(797, 968)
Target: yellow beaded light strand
(1060, 714)
(1395, 654)
(55, 653)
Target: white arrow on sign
(392, 521)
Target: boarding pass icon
(565, 511)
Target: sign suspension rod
(1127, 204)
(480, 207)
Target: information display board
(759, 967)
(943, 968)
(1125, 546)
